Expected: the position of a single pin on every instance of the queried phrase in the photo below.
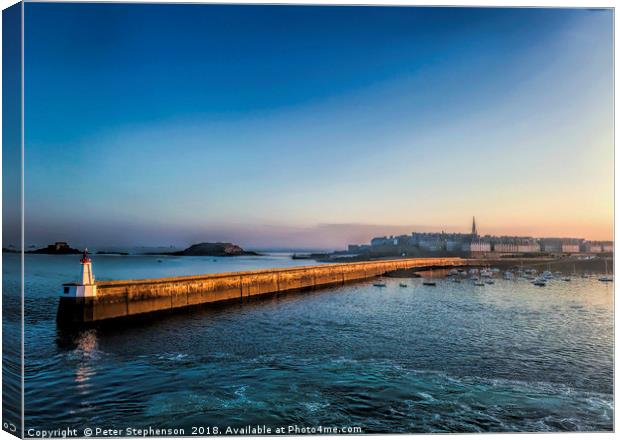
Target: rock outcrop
(58, 248)
(214, 250)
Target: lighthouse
(86, 287)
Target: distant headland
(218, 249)
(58, 248)
(214, 250)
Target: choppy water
(451, 358)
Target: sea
(455, 357)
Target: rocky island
(58, 248)
(214, 250)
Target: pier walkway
(126, 298)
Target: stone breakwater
(127, 298)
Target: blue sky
(314, 126)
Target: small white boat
(565, 278)
(547, 275)
(508, 275)
(486, 273)
(606, 278)
(479, 284)
(490, 282)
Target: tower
(474, 231)
(86, 287)
(87, 269)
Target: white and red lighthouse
(86, 287)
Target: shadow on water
(70, 337)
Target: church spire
(474, 231)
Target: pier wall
(125, 298)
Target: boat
(402, 284)
(456, 280)
(301, 257)
(479, 283)
(490, 281)
(606, 278)
(379, 284)
(508, 275)
(486, 273)
(565, 278)
(429, 282)
(540, 281)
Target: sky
(314, 127)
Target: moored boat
(606, 278)
(430, 282)
(540, 281)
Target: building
(505, 247)
(61, 245)
(453, 245)
(380, 241)
(477, 246)
(514, 245)
(528, 247)
(358, 248)
(550, 245)
(570, 248)
(597, 247)
(561, 245)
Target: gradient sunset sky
(289, 126)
